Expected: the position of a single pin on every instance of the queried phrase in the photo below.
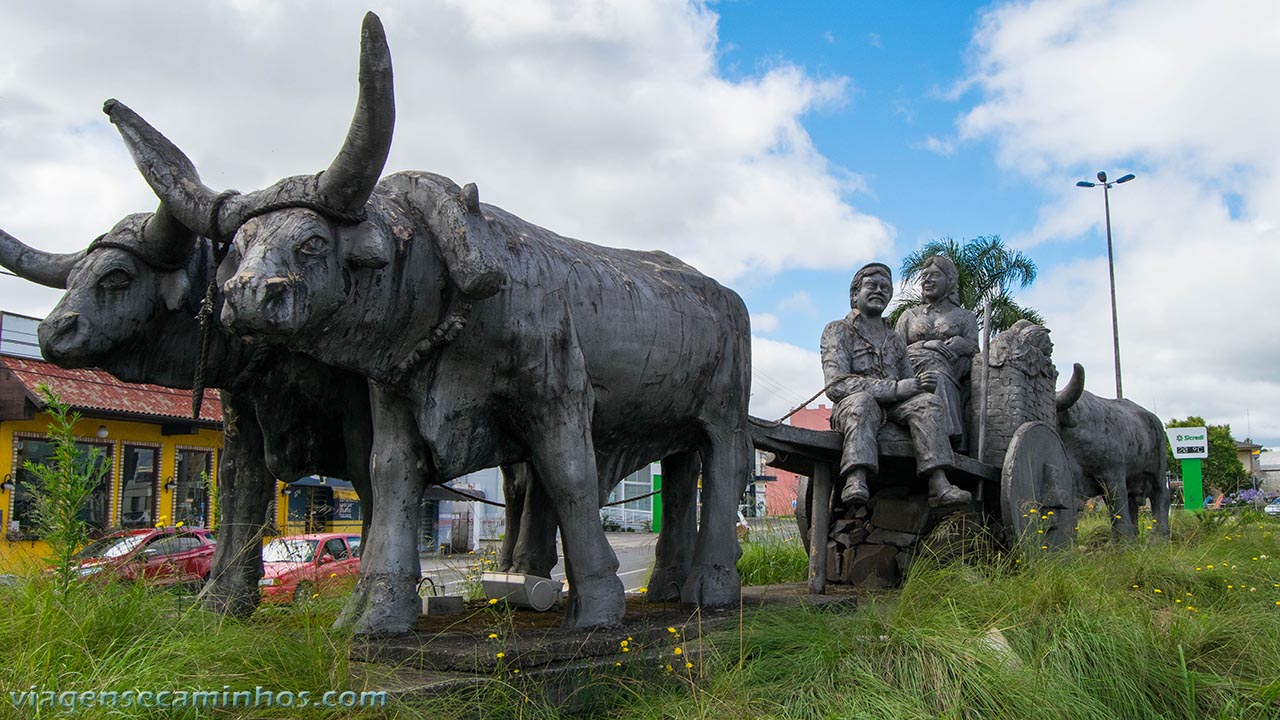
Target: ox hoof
(390, 607)
(664, 586)
(229, 598)
(589, 609)
(712, 586)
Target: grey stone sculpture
(869, 379)
(942, 336)
(487, 340)
(130, 309)
(1116, 447)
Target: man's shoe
(951, 496)
(854, 492)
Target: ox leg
(713, 581)
(386, 601)
(528, 545)
(1160, 499)
(535, 550)
(515, 485)
(1123, 519)
(673, 556)
(245, 488)
(564, 460)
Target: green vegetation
(770, 558)
(65, 483)
(1187, 629)
(989, 271)
(1222, 469)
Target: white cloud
(1177, 97)
(797, 303)
(765, 323)
(945, 148)
(604, 121)
(783, 376)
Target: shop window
(95, 512)
(191, 493)
(138, 493)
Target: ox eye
(314, 245)
(115, 280)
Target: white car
(1273, 508)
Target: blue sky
(775, 146)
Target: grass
(770, 557)
(1187, 629)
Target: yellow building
(161, 465)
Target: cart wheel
(1037, 495)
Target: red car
(298, 567)
(157, 556)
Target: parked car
(1273, 508)
(157, 556)
(298, 567)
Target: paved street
(634, 551)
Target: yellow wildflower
(500, 655)
(677, 651)
(493, 601)
(493, 636)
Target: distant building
(1248, 452)
(159, 465)
(780, 494)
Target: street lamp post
(1111, 266)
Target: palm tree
(988, 273)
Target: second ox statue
(1116, 447)
(130, 309)
(585, 360)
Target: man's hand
(907, 387)
(928, 380)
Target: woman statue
(942, 336)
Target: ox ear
(174, 287)
(365, 245)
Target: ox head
(115, 288)
(292, 241)
(1069, 395)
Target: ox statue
(585, 360)
(130, 309)
(1116, 447)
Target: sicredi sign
(1191, 442)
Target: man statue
(870, 380)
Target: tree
(1222, 469)
(65, 483)
(988, 272)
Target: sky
(776, 146)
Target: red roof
(93, 389)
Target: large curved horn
(1068, 395)
(167, 170)
(349, 181)
(166, 241)
(45, 268)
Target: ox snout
(260, 305)
(62, 340)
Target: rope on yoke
(205, 315)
